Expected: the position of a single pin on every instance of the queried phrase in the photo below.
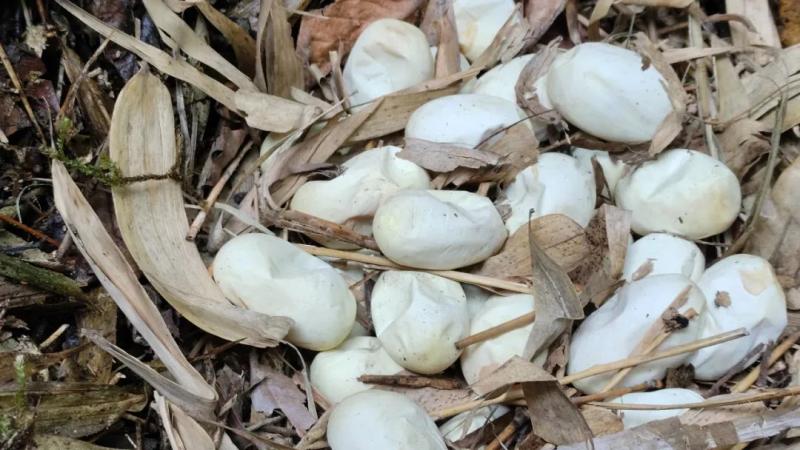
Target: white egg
(272, 276)
(501, 80)
(476, 297)
(478, 22)
(556, 184)
(353, 197)
(463, 64)
(667, 254)
(438, 230)
(485, 357)
(683, 192)
(613, 331)
(334, 373)
(466, 423)
(612, 170)
(603, 90)
(741, 292)
(633, 417)
(389, 55)
(462, 119)
(384, 420)
(418, 318)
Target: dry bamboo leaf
(447, 53)
(284, 69)
(393, 113)
(94, 101)
(561, 238)
(340, 23)
(316, 149)
(554, 417)
(52, 442)
(244, 46)
(434, 11)
(439, 157)
(618, 234)
(182, 431)
(601, 421)
(729, 90)
(791, 116)
(760, 15)
(272, 113)
(541, 15)
(670, 127)
(274, 390)
(69, 409)
(119, 279)
(164, 62)
(602, 8)
(763, 87)
(193, 45)
(432, 399)
(742, 143)
(152, 221)
(677, 55)
(515, 370)
(557, 303)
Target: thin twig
(748, 380)
(497, 330)
(613, 393)
(313, 226)
(383, 263)
(18, 86)
(32, 231)
(412, 381)
(770, 394)
(198, 221)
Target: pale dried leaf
(765, 31)
(601, 421)
(432, 399)
(244, 46)
(119, 279)
(339, 24)
(152, 219)
(439, 157)
(284, 69)
(618, 234)
(742, 144)
(272, 113)
(515, 370)
(536, 68)
(447, 54)
(193, 45)
(763, 87)
(277, 391)
(164, 62)
(182, 431)
(557, 303)
(677, 55)
(559, 236)
(729, 90)
(512, 37)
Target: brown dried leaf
(94, 102)
(601, 421)
(541, 15)
(439, 157)
(339, 24)
(275, 390)
(536, 68)
(244, 46)
(789, 14)
(758, 12)
(512, 37)
(618, 234)
(447, 53)
(557, 303)
(284, 69)
(152, 219)
(559, 236)
(432, 399)
(515, 370)
(272, 113)
(193, 45)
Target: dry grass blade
(244, 46)
(119, 279)
(162, 61)
(150, 211)
(193, 45)
(715, 402)
(557, 303)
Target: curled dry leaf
(118, 278)
(152, 219)
(193, 45)
(339, 24)
(541, 14)
(536, 68)
(439, 157)
(559, 236)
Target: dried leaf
(559, 236)
(339, 24)
(764, 86)
(512, 37)
(514, 371)
(119, 279)
(447, 53)
(284, 69)
(432, 399)
(601, 421)
(181, 430)
(557, 303)
(729, 89)
(541, 15)
(526, 90)
(101, 316)
(94, 102)
(193, 45)
(52, 442)
(439, 157)
(152, 219)
(742, 144)
(272, 113)
(244, 46)
(618, 234)
(758, 12)
(164, 62)
(277, 391)
(70, 409)
(789, 15)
